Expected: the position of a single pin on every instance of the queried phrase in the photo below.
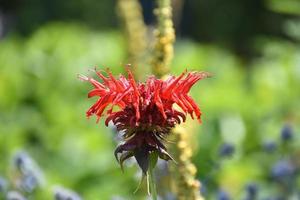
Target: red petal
(96, 92)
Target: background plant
(246, 105)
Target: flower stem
(152, 184)
(152, 162)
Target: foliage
(42, 112)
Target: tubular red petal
(135, 95)
(160, 106)
(105, 80)
(194, 105)
(177, 100)
(96, 92)
(132, 81)
(118, 86)
(95, 83)
(167, 91)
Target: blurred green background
(253, 100)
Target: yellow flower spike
(185, 186)
(130, 11)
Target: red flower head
(146, 113)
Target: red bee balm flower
(146, 113)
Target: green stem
(151, 180)
(152, 183)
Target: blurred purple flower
(287, 133)
(3, 185)
(223, 195)
(61, 193)
(283, 169)
(28, 183)
(226, 150)
(30, 175)
(14, 195)
(203, 188)
(252, 190)
(269, 146)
